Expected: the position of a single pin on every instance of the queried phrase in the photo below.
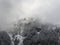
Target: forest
(31, 32)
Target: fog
(12, 10)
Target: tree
(25, 24)
(4, 38)
(48, 37)
(29, 27)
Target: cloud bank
(12, 10)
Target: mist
(13, 10)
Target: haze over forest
(13, 10)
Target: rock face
(4, 38)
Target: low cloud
(12, 10)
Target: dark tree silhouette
(48, 37)
(4, 38)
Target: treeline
(37, 33)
